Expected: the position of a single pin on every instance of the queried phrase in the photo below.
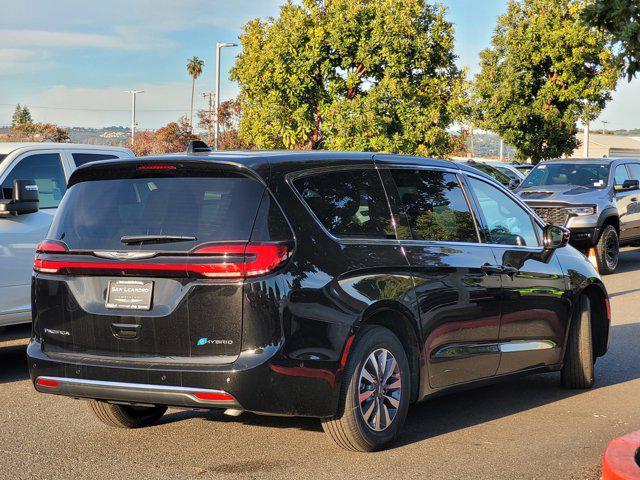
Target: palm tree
(194, 67)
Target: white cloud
(99, 107)
(59, 39)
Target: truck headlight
(587, 210)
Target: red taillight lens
(52, 246)
(241, 261)
(233, 261)
(47, 382)
(156, 167)
(214, 396)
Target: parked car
(342, 286)
(21, 229)
(597, 199)
(523, 168)
(509, 170)
(508, 180)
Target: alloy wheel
(611, 251)
(379, 389)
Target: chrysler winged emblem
(124, 255)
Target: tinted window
(348, 203)
(621, 175)
(46, 170)
(435, 205)
(82, 158)
(507, 222)
(578, 174)
(96, 214)
(635, 170)
(491, 171)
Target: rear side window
(94, 215)
(349, 203)
(635, 170)
(82, 158)
(435, 205)
(46, 170)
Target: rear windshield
(592, 175)
(492, 172)
(95, 215)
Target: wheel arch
(396, 318)
(600, 317)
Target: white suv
(50, 165)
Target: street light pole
(133, 113)
(217, 126)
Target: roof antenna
(197, 146)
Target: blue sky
(71, 60)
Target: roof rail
(197, 146)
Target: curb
(619, 460)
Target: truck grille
(552, 215)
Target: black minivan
(342, 286)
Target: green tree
(21, 115)
(546, 69)
(366, 75)
(194, 67)
(621, 19)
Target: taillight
(240, 261)
(47, 382)
(232, 261)
(52, 246)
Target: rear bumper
(135, 393)
(264, 381)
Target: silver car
(49, 165)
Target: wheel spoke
(390, 369)
(376, 419)
(392, 401)
(374, 362)
(385, 416)
(367, 414)
(365, 395)
(395, 385)
(382, 364)
(366, 375)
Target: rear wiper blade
(155, 238)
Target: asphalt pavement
(528, 428)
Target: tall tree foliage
(366, 75)
(621, 19)
(21, 115)
(546, 69)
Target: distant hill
(97, 136)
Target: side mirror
(24, 200)
(514, 183)
(627, 185)
(555, 236)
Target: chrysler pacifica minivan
(342, 286)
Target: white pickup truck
(50, 165)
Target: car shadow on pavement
(13, 364)
(457, 411)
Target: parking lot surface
(526, 428)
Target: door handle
(492, 269)
(509, 270)
(634, 199)
(499, 269)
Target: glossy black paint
(292, 330)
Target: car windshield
(592, 175)
(492, 172)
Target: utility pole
(218, 47)
(585, 146)
(473, 146)
(209, 96)
(501, 150)
(133, 113)
(604, 126)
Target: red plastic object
(619, 460)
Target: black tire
(578, 368)
(348, 428)
(608, 250)
(126, 416)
